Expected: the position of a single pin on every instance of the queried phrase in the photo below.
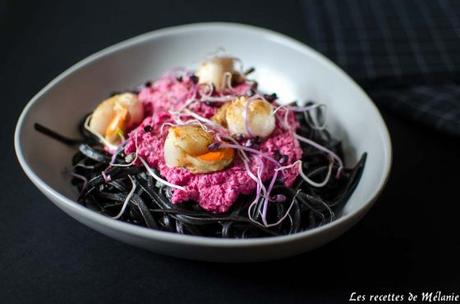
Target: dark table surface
(409, 241)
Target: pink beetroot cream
(217, 191)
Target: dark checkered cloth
(405, 53)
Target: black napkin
(405, 53)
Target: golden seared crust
(234, 112)
(256, 106)
(193, 140)
(260, 117)
(219, 117)
(187, 146)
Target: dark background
(409, 241)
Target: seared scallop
(217, 71)
(188, 147)
(248, 117)
(115, 115)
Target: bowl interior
(282, 65)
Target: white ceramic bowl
(283, 65)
